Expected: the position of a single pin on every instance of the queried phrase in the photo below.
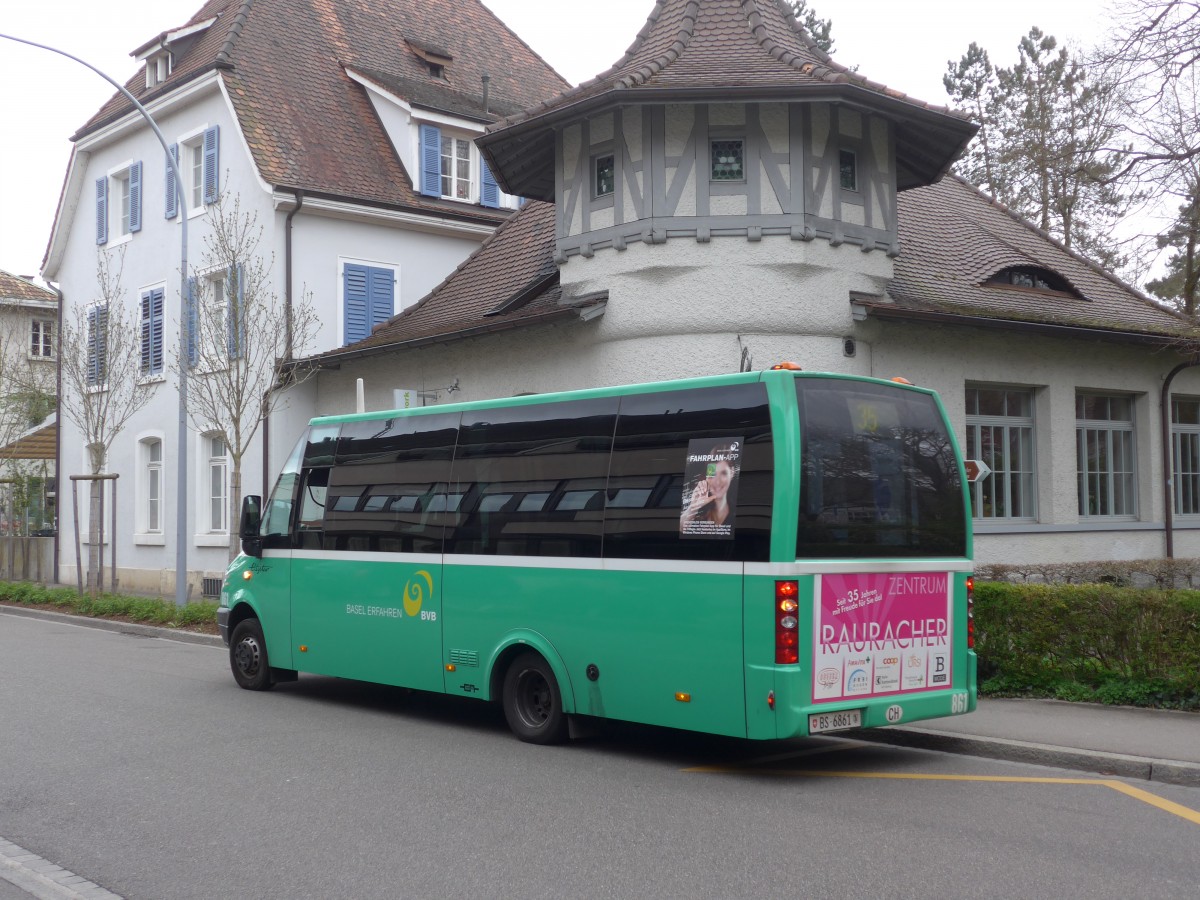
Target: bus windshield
(879, 474)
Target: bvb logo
(415, 592)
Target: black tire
(248, 656)
(532, 701)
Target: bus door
(367, 587)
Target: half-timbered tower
(770, 170)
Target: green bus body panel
(372, 620)
(651, 635)
(672, 643)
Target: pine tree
(820, 30)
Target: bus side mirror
(249, 525)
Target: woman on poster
(708, 509)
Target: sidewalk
(1148, 744)
(1151, 744)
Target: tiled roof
(953, 238)
(510, 281)
(14, 287)
(729, 48)
(308, 125)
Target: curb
(167, 634)
(1163, 771)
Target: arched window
(152, 462)
(217, 482)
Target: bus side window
(532, 479)
(387, 488)
(649, 459)
(311, 522)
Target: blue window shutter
(93, 345)
(354, 301)
(146, 332)
(236, 313)
(156, 331)
(172, 192)
(431, 161)
(193, 325)
(381, 296)
(489, 191)
(135, 197)
(102, 210)
(211, 161)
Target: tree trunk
(95, 528)
(235, 508)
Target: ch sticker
(415, 592)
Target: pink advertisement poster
(881, 634)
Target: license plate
(838, 721)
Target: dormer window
(1033, 278)
(451, 168)
(436, 59)
(158, 68)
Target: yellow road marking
(1154, 800)
(1146, 797)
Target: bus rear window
(878, 471)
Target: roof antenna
(485, 78)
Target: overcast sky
(44, 97)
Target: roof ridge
(682, 39)
(224, 56)
(1090, 263)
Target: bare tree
(239, 331)
(101, 387)
(1156, 51)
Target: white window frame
(146, 533)
(1185, 460)
(204, 535)
(119, 203)
(41, 334)
(191, 169)
(1114, 483)
(158, 69)
(1004, 468)
(472, 180)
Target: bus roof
(765, 375)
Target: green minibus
(762, 554)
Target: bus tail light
(787, 623)
(970, 612)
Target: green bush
(1102, 642)
(148, 610)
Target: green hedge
(148, 610)
(1097, 642)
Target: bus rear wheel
(248, 656)
(532, 701)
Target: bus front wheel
(248, 656)
(532, 702)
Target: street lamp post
(181, 475)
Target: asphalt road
(137, 763)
